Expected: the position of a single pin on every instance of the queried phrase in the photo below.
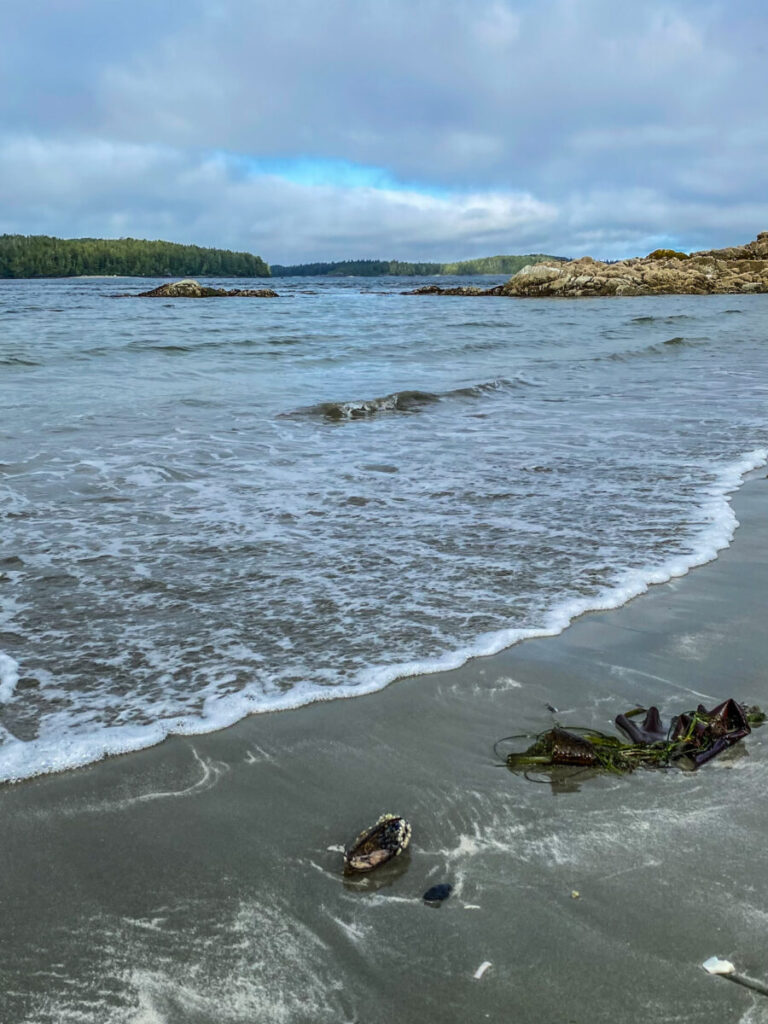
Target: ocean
(214, 508)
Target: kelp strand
(690, 740)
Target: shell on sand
(378, 844)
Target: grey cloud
(102, 189)
(97, 188)
(650, 119)
(457, 92)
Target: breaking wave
(404, 401)
(398, 401)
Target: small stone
(438, 893)
(27, 683)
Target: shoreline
(200, 880)
(224, 713)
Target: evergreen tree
(43, 256)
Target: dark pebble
(438, 893)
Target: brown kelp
(690, 740)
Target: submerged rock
(438, 893)
(388, 838)
(435, 289)
(189, 289)
(663, 272)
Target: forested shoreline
(384, 268)
(23, 256)
(45, 256)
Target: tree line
(506, 265)
(44, 256)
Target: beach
(296, 577)
(200, 880)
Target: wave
(223, 344)
(150, 347)
(17, 361)
(674, 318)
(263, 345)
(497, 384)
(53, 753)
(485, 324)
(657, 349)
(403, 401)
(398, 401)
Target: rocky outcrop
(738, 269)
(189, 289)
(434, 289)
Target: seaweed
(691, 739)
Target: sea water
(212, 508)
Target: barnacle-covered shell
(378, 844)
(570, 748)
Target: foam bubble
(9, 677)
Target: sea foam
(9, 677)
(182, 555)
(57, 750)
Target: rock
(438, 893)
(434, 289)
(189, 289)
(663, 272)
(539, 273)
(388, 838)
(27, 683)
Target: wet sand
(200, 882)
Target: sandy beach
(200, 881)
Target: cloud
(394, 118)
(91, 187)
(158, 191)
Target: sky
(396, 129)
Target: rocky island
(189, 289)
(737, 269)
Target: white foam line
(211, 771)
(20, 760)
(355, 933)
(627, 670)
(259, 758)
(9, 677)
(153, 925)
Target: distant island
(24, 256)
(395, 268)
(44, 256)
